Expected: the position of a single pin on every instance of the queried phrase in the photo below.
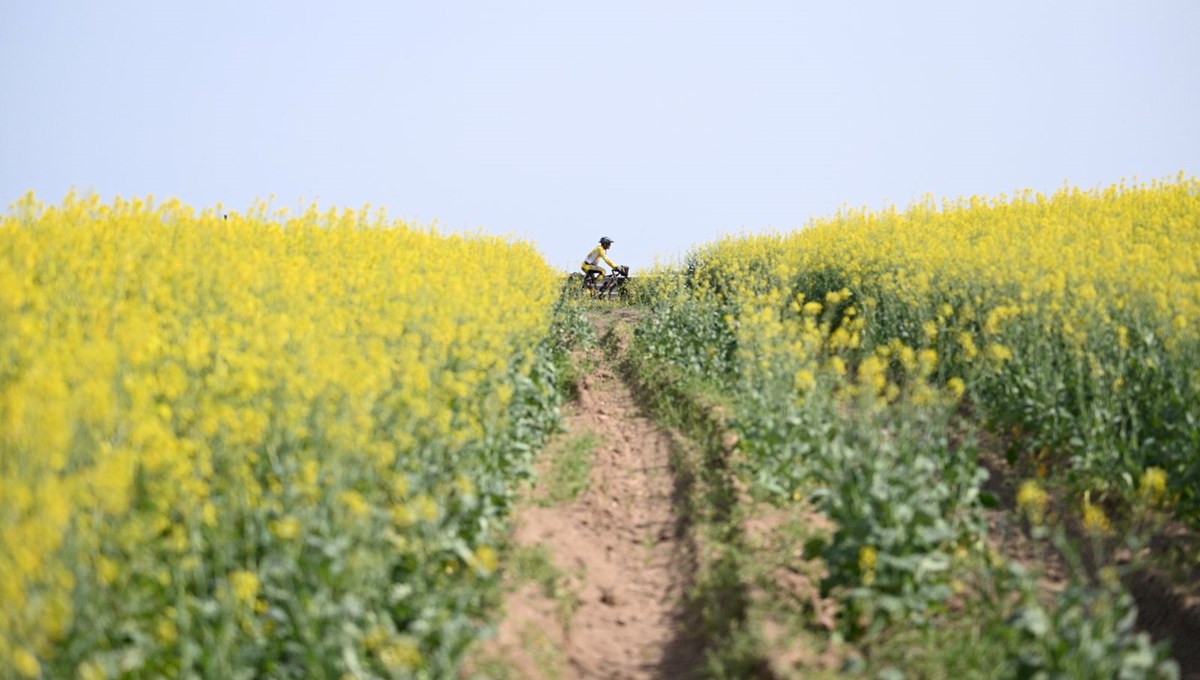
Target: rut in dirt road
(620, 547)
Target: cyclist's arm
(610, 262)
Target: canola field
(1072, 321)
(872, 357)
(277, 445)
(262, 444)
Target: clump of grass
(534, 565)
(570, 470)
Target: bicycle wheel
(602, 289)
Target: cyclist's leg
(591, 275)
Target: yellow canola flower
(930, 328)
(90, 670)
(286, 528)
(967, 342)
(426, 507)
(1152, 486)
(1032, 500)
(927, 360)
(837, 365)
(999, 353)
(486, 559)
(464, 485)
(401, 655)
(400, 485)
(354, 502)
(243, 586)
(872, 374)
(403, 515)
(26, 664)
(1095, 521)
(166, 631)
(867, 558)
(804, 380)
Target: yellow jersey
(597, 254)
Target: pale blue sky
(659, 124)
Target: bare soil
(620, 546)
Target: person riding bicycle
(591, 263)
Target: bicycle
(608, 287)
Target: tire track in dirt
(621, 547)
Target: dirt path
(610, 603)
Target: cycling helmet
(606, 241)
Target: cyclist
(591, 263)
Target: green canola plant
(868, 354)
